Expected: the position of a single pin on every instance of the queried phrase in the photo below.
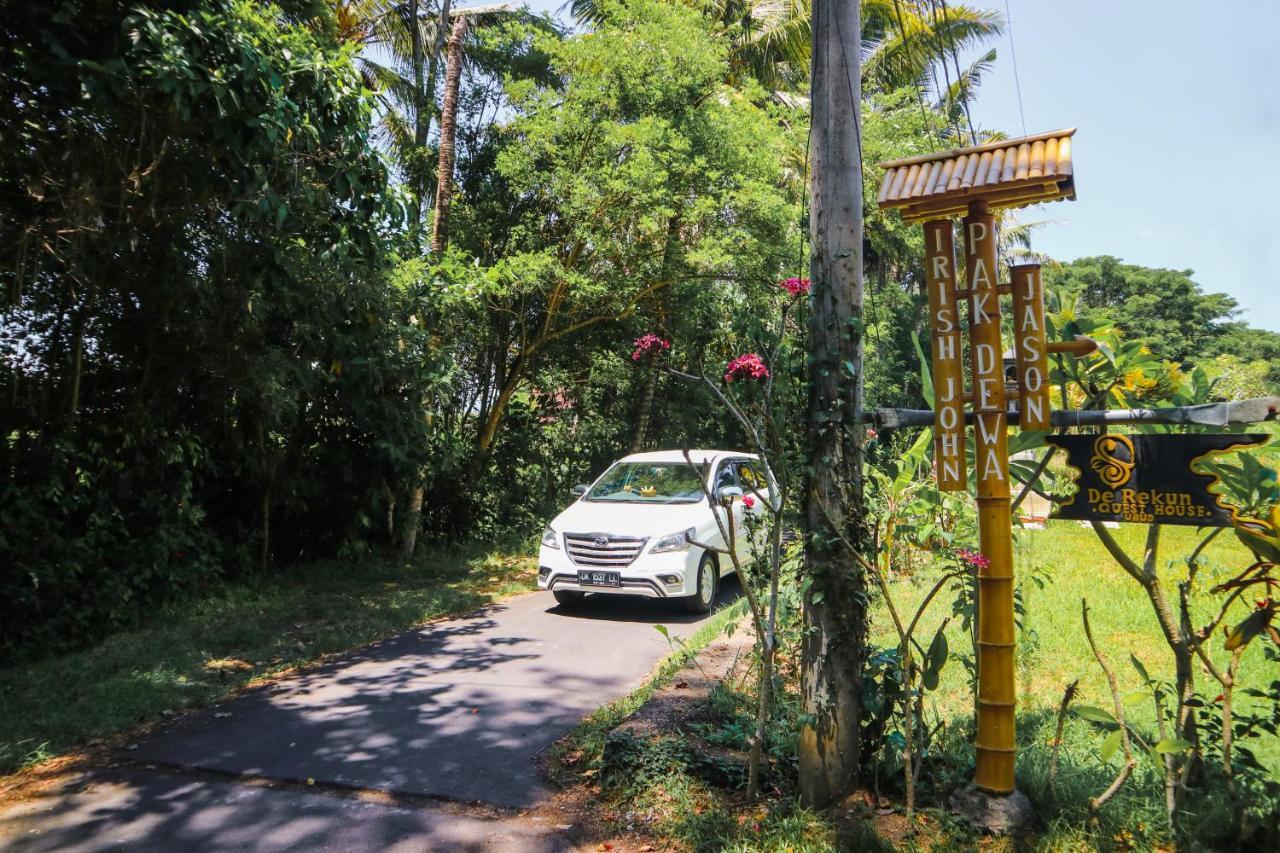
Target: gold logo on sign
(1111, 468)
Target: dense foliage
(226, 347)
(201, 351)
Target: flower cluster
(649, 344)
(795, 286)
(748, 501)
(746, 366)
(972, 558)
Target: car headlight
(674, 542)
(549, 539)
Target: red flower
(973, 558)
(795, 286)
(746, 366)
(748, 501)
(649, 344)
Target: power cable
(946, 75)
(906, 49)
(1013, 54)
(964, 96)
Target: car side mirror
(580, 490)
(727, 494)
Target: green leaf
(1253, 625)
(662, 629)
(1142, 670)
(938, 650)
(1135, 696)
(1094, 715)
(1110, 745)
(1172, 744)
(926, 376)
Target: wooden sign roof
(1007, 173)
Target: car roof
(700, 456)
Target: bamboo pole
(996, 683)
(948, 372)
(1030, 346)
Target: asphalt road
(454, 712)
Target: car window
(727, 476)
(752, 475)
(649, 482)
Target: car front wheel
(708, 580)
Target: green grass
(586, 742)
(677, 804)
(1052, 647)
(697, 815)
(1053, 651)
(194, 654)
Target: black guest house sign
(1149, 479)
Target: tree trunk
(412, 521)
(641, 431)
(490, 429)
(448, 133)
(419, 128)
(645, 414)
(834, 606)
(429, 96)
(77, 367)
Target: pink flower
(795, 286)
(746, 366)
(973, 558)
(649, 344)
(748, 501)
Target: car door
(727, 475)
(756, 486)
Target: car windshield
(650, 483)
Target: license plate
(599, 578)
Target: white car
(633, 530)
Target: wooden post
(948, 372)
(1030, 346)
(835, 623)
(996, 682)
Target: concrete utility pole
(834, 606)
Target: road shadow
(455, 709)
(167, 812)
(610, 607)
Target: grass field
(193, 654)
(1053, 651)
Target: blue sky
(1178, 149)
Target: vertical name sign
(994, 744)
(948, 374)
(1030, 345)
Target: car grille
(599, 549)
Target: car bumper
(669, 575)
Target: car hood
(630, 519)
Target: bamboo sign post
(996, 700)
(1030, 346)
(933, 189)
(948, 371)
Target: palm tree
(399, 46)
(904, 42)
(907, 42)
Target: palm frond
(966, 87)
